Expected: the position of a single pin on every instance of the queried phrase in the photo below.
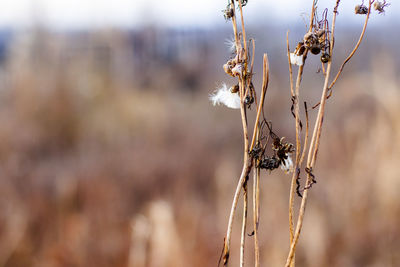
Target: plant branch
(355, 47)
(313, 148)
(256, 214)
(244, 223)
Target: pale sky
(134, 13)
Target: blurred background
(112, 155)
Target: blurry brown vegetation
(111, 154)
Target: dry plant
(319, 40)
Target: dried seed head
(361, 9)
(238, 70)
(228, 12)
(310, 39)
(235, 88)
(380, 6)
(248, 100)
(325, 57)
(228, 69)
(315, 49)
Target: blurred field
(112, 155)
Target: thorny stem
(313, 149)
(244, 223)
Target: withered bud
(228, 69)
(248, 100)
(361, 9)
(325, 57)
(315, 49)
(380, 6)
(228, 12)
(310, 39)
(231, 62)
(235, 88)
(238, 70)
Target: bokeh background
(112, 155)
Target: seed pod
(361, 9)
(228, 69)
(315, 49)
(380, 6)
(235, 88)
(228, 12)
(248, 100)
(325, 57)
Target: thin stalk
(256, 214)
(234, 24)
(306, 135)
(243, 32)
(244, 224)
(290, 65)
(314, 142)
(355, 47)
(262, 98)
(298, 149)
(245, 172)
(351, 53)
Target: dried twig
(256, 215)
(313, 148)
(244, 223)
(351, 53)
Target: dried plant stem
(351, 53)
(290, 65)
(298, 149)
(313, 148)
(310, 163)
(247, 162)
(243, 32)
(355, 47)
(256, 214)
(262, 97)
(234, 24)
(244, 223)
(245, 172)
(306, 135)
(312, 15)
